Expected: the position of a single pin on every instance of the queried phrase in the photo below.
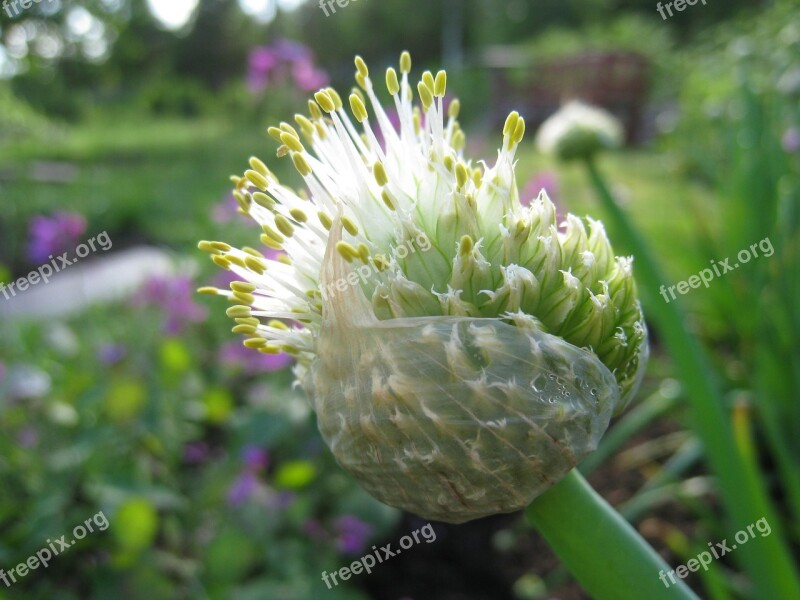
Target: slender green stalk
(605, 554)
(767, 562)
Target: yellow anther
(256, 265)
(306, 126)
(325, 220)
(417, 118)
(243, 298)
(262, 199)
(379, 171)
(206, 246)
(511, 123)
(292, 142)
(269, 242)
(459, 140)
(388, 199)
(244, 329)
(301, 164)
(325, 101)
(284, 226)
(239, 312)
(236, 260)
(380, 262)
(405, 62)
(448, 162)
(252, 321)
(270, 349)
(298, 215)
(519, 131)
(275, 324)
(362, 67)
(425, 95)
(272, 233)
(337, 100)
(242, 200)
(392, 83)
(252, 251)
(243, 287)
(454, 109)
(440, 84)
(465, 245)
(211, 291)
(358, 108)
(462, 175)
(351, 227)
(257, 179)
(477, 177)
(221, 261)
(255, 343)
(257, 165)
(313, 110)
(283, 150)
(288, 129)
(427, 77)
(275, 133)
(362, 83)
(346, 251)
(363, 252)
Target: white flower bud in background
(579, 131)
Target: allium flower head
(425, 296)
(578, 130)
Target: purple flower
(290, 51)
(543, 180)
(314, 529)
(28, 437)
(175, 295)
(195, 453)
(271, 64)
(791, 140)
(251, 362)
(285, 499)
(54, 235)
(255, 459)
(243, 487)
(353, 534)
(111, 354)
(307, 77)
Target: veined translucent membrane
(452, 418)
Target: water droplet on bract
(539, 383)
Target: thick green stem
(605, 554)
(767, 561)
